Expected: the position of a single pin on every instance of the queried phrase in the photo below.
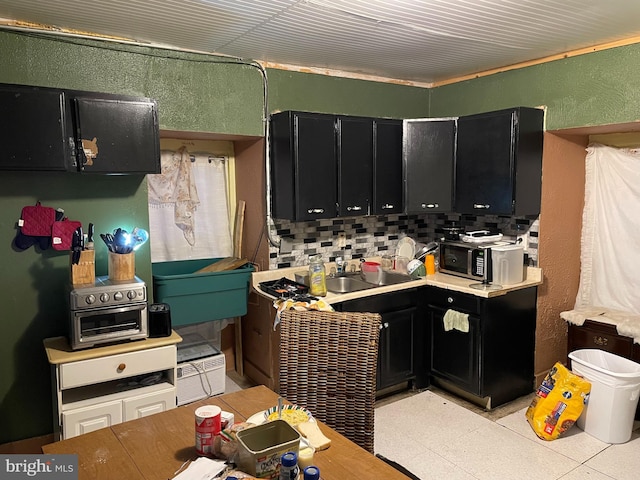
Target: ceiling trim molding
(343, 74)
(550, 58)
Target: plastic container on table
(615, 389)
(260, 448)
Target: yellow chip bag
(558, 403)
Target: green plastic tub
(200, 297)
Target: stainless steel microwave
(469, 260)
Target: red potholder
(37, 220)
(62, 233)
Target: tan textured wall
(563, 174)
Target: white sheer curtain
(208, 219)
(610, 248)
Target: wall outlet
(342, 240)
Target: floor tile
(584, 473)
(428, 465)
(574, 443)
(619, 461)
(494, 452)
(426, 420)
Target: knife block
(84, 272)
(122, 266)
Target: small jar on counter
(317, 276)
(312, 473)
(289, 466)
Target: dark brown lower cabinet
(492, 363)
(402, 345)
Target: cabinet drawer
(84, 420)
(145, 405)
(455, 300)
(112, 367)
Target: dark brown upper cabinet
(49, 129)
(327, 166)
(388, 183)
(499, 162)
(429, 156)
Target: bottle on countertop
(317, 276)
(289, 466)
(312, 473)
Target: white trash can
(615, 388)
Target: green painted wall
(600, 88)
(198, 93)
(317, 93)
(194, 93)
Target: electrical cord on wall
(111, 44)
(202, 373)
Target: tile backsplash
(378, 235)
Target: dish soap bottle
(317, 276)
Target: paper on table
(202, 469)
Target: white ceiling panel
(412, 40)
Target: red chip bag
(62, 233)
(37, 221)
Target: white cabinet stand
(103, 386)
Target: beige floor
(438, 436)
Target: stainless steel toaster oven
(107, 312)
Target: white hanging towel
(176, 186)
(456, 320)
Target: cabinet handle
(383, 325)
(449, 299)
(387, 206)
(315, 210)
(355, 208)
(430, 205)
(481, 206)
(121, 367)
(601, 341)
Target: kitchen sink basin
(392, 278)
(352, 282)
(347, 284)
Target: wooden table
(154, 447)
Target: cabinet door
(145, 405)
(396, 352)
(33, 130)
(455, 355)
(355, 165)
(316, 174)
(429, 153)
(87, 419)
(117, 135)
(499, 162)
(485, 163)
(388, 183)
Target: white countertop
(440, 280)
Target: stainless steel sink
(347, 284)
(352, 282)
(392, 278)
